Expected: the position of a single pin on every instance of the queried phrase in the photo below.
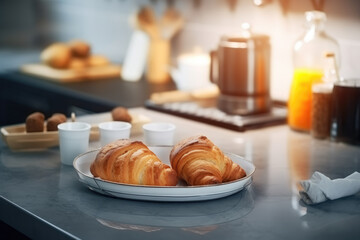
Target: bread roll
(60, 115)
(35, 122)
(199, 162)
(97, 61)
(80, 49)
(77, 63)
(54, 121)
(121, 114)
(132, 162)
(57, 55)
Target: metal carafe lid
(242, 39)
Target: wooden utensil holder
(158, 61)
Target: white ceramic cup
(73, 140)
(159, 134)
(193, 71)
(113, 130)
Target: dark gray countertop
(112, 91)
(22, 94)
(44, 200)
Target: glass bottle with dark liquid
(345, 120)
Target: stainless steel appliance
(241, 69)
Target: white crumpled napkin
(320, 188)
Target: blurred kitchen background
(27, 26)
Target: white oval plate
(179, 193)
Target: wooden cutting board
(71, 75)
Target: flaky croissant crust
(199, 162)
(132, 162)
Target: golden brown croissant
(132, 162)
(199, 162)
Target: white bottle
(136, 56)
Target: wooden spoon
(147, 22)
(170, 23)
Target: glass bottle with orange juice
(308, 59)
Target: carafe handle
(214, 66)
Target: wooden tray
(17, 138)
(71, 75)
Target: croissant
(199, 162)
(132, 162)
